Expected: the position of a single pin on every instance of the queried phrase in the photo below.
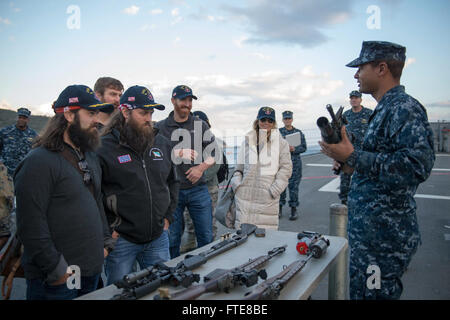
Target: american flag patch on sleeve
(124, 159)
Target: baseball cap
(79, 96)
(266, 112)
(181, 92)
(139, 97)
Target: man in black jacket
(60, 217)
(193, 147)
(140, 185)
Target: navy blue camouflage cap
(379, 51)
(181, 92)
(139, 97)
(266, 112)
(355, 93)
(287, 114)
(79, 96)
(23, 112)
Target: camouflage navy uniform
(356, 127)
(294, 180)
(396, 156)
(15, 144)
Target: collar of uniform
(172, 123)
(388, 95)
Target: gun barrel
(327, 132)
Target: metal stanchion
(337, 279)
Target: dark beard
(84, 139)
(138, 138)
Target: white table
(299, 287)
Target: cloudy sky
(236, 55)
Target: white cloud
(5, 20)
(291, 22)
(156, 11)
(177, 20)
(14, 8)
(409, 62)
(5, 105)
(133, 10)
(177, 40)
(43, 109)
(240, 41)
(175, 12)
(260, 56)
(147, 27)
(232, 103)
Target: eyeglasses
(83, 165)
(266, 120)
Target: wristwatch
(351, 160)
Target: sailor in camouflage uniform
(358, 120)
(397, 155)
(294, 180)
(16, 141)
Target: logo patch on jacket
(124, 159)
(156, 154)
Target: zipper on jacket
(148, 185)
(149, 193)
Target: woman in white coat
(262, 173)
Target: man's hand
(61, 280)
(115, 235)
(291, 148)
(166, 224)
(340, 151)
(105, 253)
(345, 168)
(194, 174)
(187, 154)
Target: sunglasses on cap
(83, 165)
(266, 120)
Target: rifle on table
(270, 289)
(139, 284)
(222, 280)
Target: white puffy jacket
(257, 192)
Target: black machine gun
(139, 284)
(222, 280)
(331, 132)
(314, 245)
